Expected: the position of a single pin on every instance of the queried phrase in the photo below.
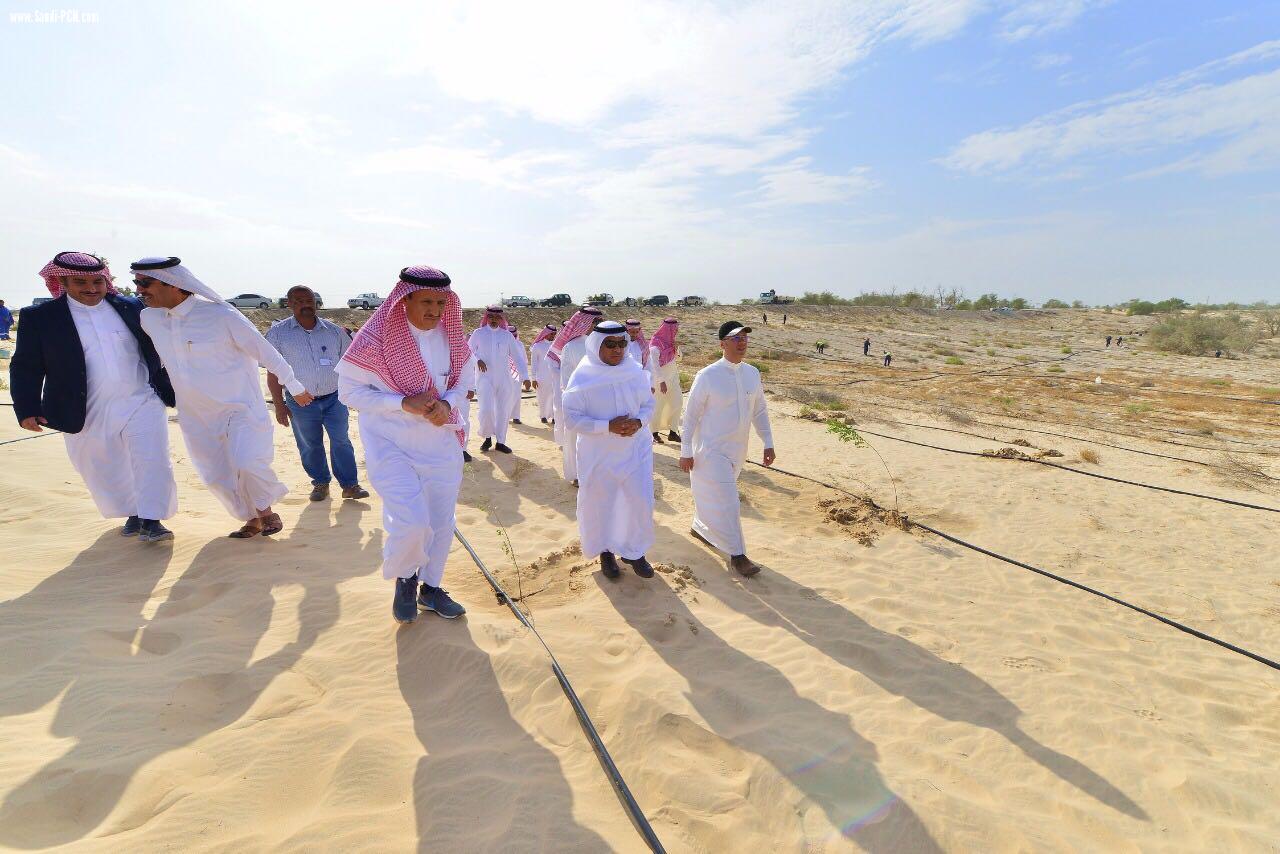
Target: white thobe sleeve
(760, 418)
(457, 396)
(250, 340)
(695, 405)
(522, 364)
(648, 404)
(358, 394)
(475, 351)
(575, 415)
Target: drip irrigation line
(638, 819)
(1168, 489)
(46, 432)
(1054, 576)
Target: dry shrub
(861, 516)
(955, 416)
(1243, 472)
(1089, 455)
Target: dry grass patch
(1089, 455)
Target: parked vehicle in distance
(250, 301)
(630, 302)
(518, 302)
(658, 299)
(365, 301)
(1004, 309)
(283, 302)
(557, 300)
(772, 298)
(41, 300)
(600, 299)
(692, 301)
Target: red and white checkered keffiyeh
(665, 340)
(385, 346)
(643, 341)
(580, 324)
(52, 271)
(548, 331)
(495, 311)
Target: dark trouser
(310, 423)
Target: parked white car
(366, 301)
(250, 301)
(518, 302)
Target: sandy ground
(872, 689)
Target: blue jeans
(324, 414)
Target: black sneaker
(642, 566)
(487, 444)
(673, 436)
(152, 531)
(501, 447)
(132, 526)
(544, 421)
(657, 440)
(466, 458)
(405, 606)
(437, 599)
(609, 565)
(515, 420)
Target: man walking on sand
(542, 379)
(212, 353)
(85, 367)
(725, 402)
(498, 355)
(406, 375)
(312, 346)
(664, 368)
(607, 403)
(566, 352)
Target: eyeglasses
(143, 283)
(738, 339)
(615, 343)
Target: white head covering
(592, 373)
(170, 271)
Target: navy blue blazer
(47, 374)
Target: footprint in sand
(1028, 663)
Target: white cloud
(521, 171)
(1050, 60)
(1237, 120)
(1032, 18)
(311, 131)
(794, 183)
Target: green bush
(954, 360)
(1202, 334)
(760, 366)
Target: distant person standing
(765, 317)
(1108, 340)
(784, 319)
(888, 358)
(85, 367)
(543, 381)
(866, 346)
(501, 366)
(725, 402)
(6, 321)
(664, 366)
(1120, 341)
(312, 346)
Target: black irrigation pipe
(50, 432)
(638, 819)
(1168, 489)
(1047, 574)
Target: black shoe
(466, 458)
(437, 599)
(544, 421)
(486, 444)
(515, 420)
(132, 526)
(657, 440)
(355, 491)
(673, 436)
(405, 606)
(609, 565)
(501, 447)
(320, 492)
(641, 566)
(152, 531)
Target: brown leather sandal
(271, 524)
(252, 528)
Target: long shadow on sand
(741, 698)
(907, 670)
(126, 712)
(484, 784)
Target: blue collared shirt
(313, 354)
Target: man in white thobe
(84, 366)
(212, 353)
(495, 349)
(725, 402)
(608, 404)
(568, 350)
(664, 366)
(405, 373)
(541, 377)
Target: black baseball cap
(732, 327)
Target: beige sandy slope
(905, 695)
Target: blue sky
(1080, 149)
